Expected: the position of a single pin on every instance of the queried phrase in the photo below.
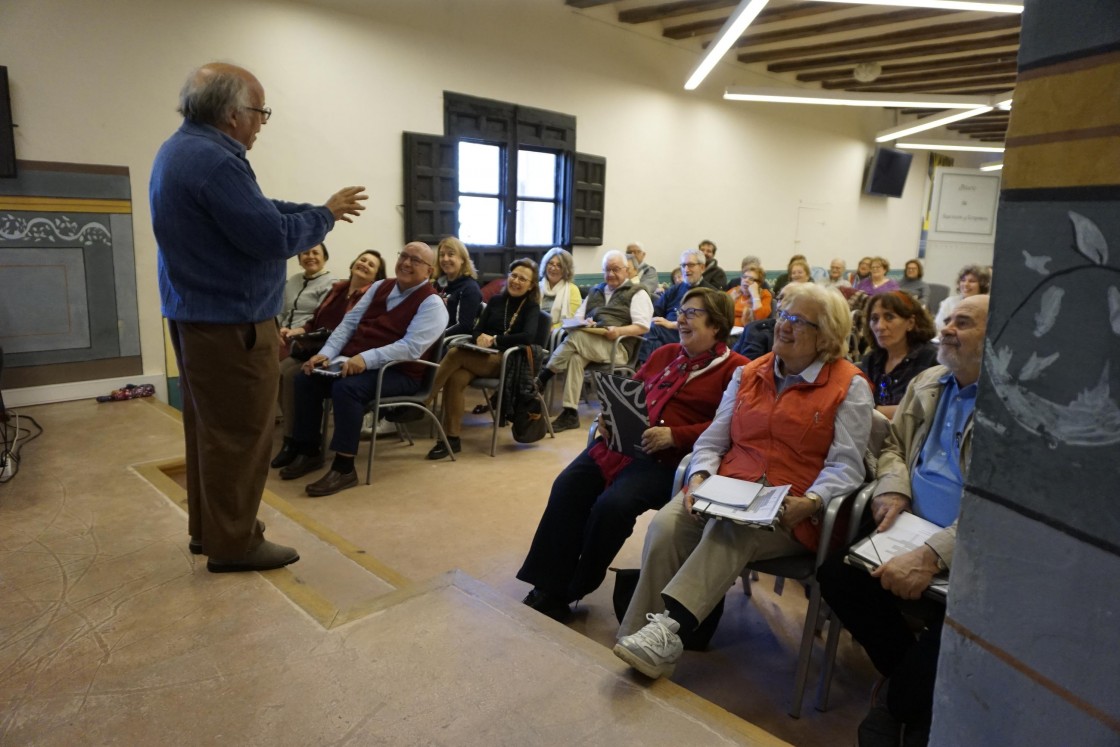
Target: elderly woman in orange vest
(801, 416)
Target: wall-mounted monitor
(886, 173)
(7, 133)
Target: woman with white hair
(799, 415)
(559, 295)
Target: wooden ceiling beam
(950, 63)
(924, 33)
(586, 3)
(665, 11)
(949, 77)
(769, 15)
(839, 25)
(803, 58)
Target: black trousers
(877, 620)
(586, 523)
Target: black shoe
(332, 482)
(566, 421)
(195, 547)
(265, 557)
(439, 451)
(301, 465)
(285, 456)
(548, 605)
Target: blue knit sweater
(223, 245)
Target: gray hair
(695, 254)
(613, 254)
(567, 264)
(210, 96)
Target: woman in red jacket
(598, 497)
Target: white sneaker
(367, 427)
(384, 427)
(654, 649)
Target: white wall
(97, 83)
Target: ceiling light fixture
(921, 125)
(843, 98)
(1005, 105)
(941, 5)
(954, 145)
(732, 29)
(992, 166)
(866, 72)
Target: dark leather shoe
(285, 456)
(548, 605)
(195, 547)
(265, 557)
(301, 465)
(565, 421)
(332, 482)
(439, 451)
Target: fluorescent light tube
(958, 145)
(842, 98)
(980, 7)
(928, 123)
(991, 166)
(732, 29)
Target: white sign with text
(963, 207)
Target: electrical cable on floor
(14, 437)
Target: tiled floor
(111, 632)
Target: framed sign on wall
(963, 206)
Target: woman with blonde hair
(456, 282)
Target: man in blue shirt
(223, 250)
(665, 307)
(921, 469)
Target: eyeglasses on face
(265, 112)
(691, 313)
(686, 265)
(798, 322)
(412, 259)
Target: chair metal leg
(831, 644)
(494, 417)
(805, 654)
(544, 414)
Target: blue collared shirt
(425, 328)
(223, 245)
(937, 481)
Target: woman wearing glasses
(899, 330)
(799, 415)
(598, 497)
(878, 282)
(752, 301)
(559, 295)
(457, 284)
(509, 320)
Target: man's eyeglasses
(686, 265)
(412, 259)
(691, 314)
(795, 320)
(266, 113)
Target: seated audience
(863, 271)
(509, 320)
(748, 261)
(457, 284)
(646, 274)
(617, 307)
(664, 329)
(899, 330)
(878, 282)
(713, 273)
(341, 297)
(559, 295)
(752, 301)
(972, 280)
(837, 274)
(912, 282)
(800, 415)
(797, 271)
(921, 469)
(304, 292)
(598, 497)
(396, 320)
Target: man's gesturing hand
(346, 202)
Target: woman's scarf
(562, 295)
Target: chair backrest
(937, 294)
(544, 330)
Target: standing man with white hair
(209, 212)
(618, 307)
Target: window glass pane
(536, 223)
(479, 168)
(536, 174)
(478, 220)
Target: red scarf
(660, 388)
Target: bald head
(962, 340)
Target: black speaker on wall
(7, 129)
